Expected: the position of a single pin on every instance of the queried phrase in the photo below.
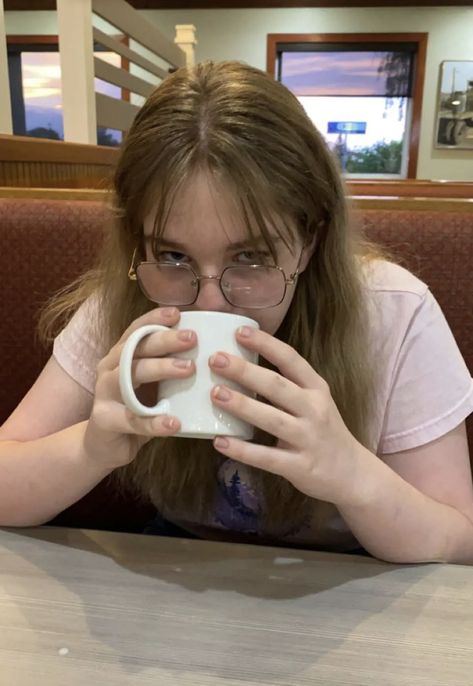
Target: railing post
(5, 108)
(186, 40)
(74, 19)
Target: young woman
(361, 396)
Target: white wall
(31, 22)
(241, 34)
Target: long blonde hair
(251, 134)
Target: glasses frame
(288, 281)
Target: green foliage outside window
(380, 158)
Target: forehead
(201, 208)
(206, 213)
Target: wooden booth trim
(28, 149)
(363, 202)
(28, 5)
(38, 162)
(417, 188)
(97, 195)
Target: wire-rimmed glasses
(252, 286)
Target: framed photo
(455, 106)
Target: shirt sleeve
(79, 347)
(432, 389)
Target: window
(35, 88)
(362, 94)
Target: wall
(241, 34)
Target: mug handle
(126, 384)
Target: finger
(144, 371)
(150, 370)
(275, 422)
(166, 316)
(159, 344)
(164, 343)
(270, 459)
(291, 365)
(264, 382)
(117, 418)
(154, 345)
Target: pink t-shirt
(425, 391)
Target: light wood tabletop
(89, 608)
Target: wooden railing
(83, 108)
(112, 112)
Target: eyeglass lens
(245, 287)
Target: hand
(315, 451)
(114, 434)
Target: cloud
(296, 64)
(31, 93)
(47, 71)
(326, 91)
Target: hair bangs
(258, 207)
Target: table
(89, 608)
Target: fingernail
(170, 423)
(221, 442)
(182, 364)
(185, 335)
(219, 360)
(168, 312)
(222, 393)
(245, 331)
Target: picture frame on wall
(454, 120)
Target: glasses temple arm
(132, 269)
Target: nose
(211, 298)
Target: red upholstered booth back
(44, 244)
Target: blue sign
(346, 127)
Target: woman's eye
(252, 257)
(171, 256)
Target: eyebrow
(163, 242)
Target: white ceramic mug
(189, 399)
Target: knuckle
(150, 427)
(291, 356)
(278, 383)
(323, 415)
(102, 365)
(149, 344)
(138, 425)
(102, 383)
(279, 424)
(239, 367)
(238, 400)
(145, 369)
(156, 425)
(324, 387)
(100, 414)
(313, 402)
